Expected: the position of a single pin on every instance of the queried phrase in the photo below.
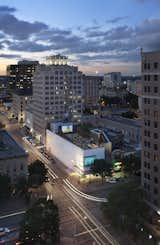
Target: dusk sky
(96, 35)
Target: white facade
(29, 119)
(70, 154)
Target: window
(155, 114)
(155, 168)
(155, 124)
(155, 65)
(155, 191)
(155, 147)
(155, 77)
(155, 101)
(155, 135)
(148, 66)
(156, 180)
(155, 89)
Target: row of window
(148, 144)
(148, 101)
(148, 123)
(147, 89)
(147, 133)
(148, 112)
(156, 157)
(61, 77)
(150, 77)
(147, 165)
(149, 66)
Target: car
(111, 180)
(4, 229)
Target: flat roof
(130, 122)
(9, 148)
(83, 142)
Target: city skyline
(94, 35)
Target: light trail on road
(12, 214)
(100, 228)
(78, 192)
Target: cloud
(7, 9)
(88, 45)
(28, 46)
(117, 19)
(19, 29)
(10, 56)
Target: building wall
(150, 67)
(21, 74)
(91, 91)
(14, 167)
(68, 153)
(20, 103)
(57, 95)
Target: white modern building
(72, 149)
(57, 94)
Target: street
(78, 225)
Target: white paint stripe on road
(88, 214)
(86, 226)
(12, 214)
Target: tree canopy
(37, 172)
(126, 207)
(41, 224)
(131, 164)
(101, 167)
(129, 114)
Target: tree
(132, 100)
(21, 185)
(126, 207)
(101, 167)
(5, 186)
(131, 164)
(37, 173)
(41, 224)
(129, 114)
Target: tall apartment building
(21, 74)
(150, 67)
(91, 90)
(57, 94)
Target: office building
(21, 74)
(13, 159)
(150, 67)
(91, 91)
(21, 99)
(110, 84)
(57, 94)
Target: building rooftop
(83, 142)
(9, 148)
(130, 122)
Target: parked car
(4, 229)
(111, 180)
